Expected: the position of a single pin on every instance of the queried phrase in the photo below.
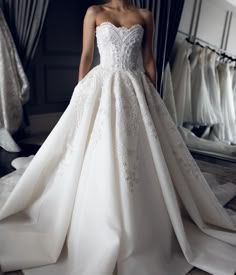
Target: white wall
(233, 2)
(210, 21)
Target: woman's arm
(88, 41)
(148, 57)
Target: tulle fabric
(212, 85)
(202, 108)
(182, 84)
(227, 131)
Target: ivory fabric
(114, 184)
(14, 88)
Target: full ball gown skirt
(114, 183)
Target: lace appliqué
(179, 148)
(146, 112)
(158, 109)
(82, 95)
(97, 132)
(127, 125)
(80, 101)
(120, 47)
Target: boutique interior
(202, 95)
(198, 86)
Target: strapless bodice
(120, 47)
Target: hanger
(223, 56)
(190, 39)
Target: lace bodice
(120, 47)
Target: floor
(192, 272)
(224, 170)
(6, 157)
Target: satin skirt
(114, 185)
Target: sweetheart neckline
(119, 27)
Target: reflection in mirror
(202, 95)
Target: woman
(97, 15)
(121, 187)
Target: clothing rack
(220, 52)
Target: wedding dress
(228, 129)
(234, 86)
(14, 88)
(217, 131)
(212, 85)
(114, 184)
(202, 109)
(182, 84)
(168, 93)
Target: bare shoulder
(146, 14)
(94, 9)
(92, 13)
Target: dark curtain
(167, 15)
(25, 19)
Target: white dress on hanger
(181, 77)
(188, 118)
(228, 129)
(168, 93)
(234, 86)
(202, 109)
(114, 184)
(217, 132)
(212, 85)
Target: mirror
(202, 99)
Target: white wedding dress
(202, 109)
(212, 85)
(114, 184)
(228, 129)
(14, 88)
(182, 84)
